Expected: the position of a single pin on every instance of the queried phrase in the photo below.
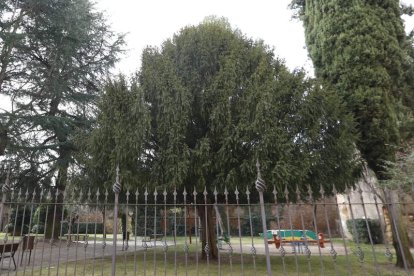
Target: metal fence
(202, 232)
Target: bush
(82, 228)
(38, 229)
(362, 230)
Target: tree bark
(400, 238)
(208, 234)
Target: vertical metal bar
(359, 252)
(196, 226)
(175, 230)
(393, 215)
(77, 233)
(68, 241)
(48, 197)
(95, 230)
(186, 247)
(165, 233)
(236, 192)
(14, 227)
(53, 231)
(217, 230)
(310, 194)
(226, 197)
(104, 232)
(155, 233)
(388, 253)
(348, 264)
(252, 248)
(86, 242)
(332, 250)
(135, 232)
(38, 223)
(261, 187)
(288, 203)
(206, 231)
(125, 248)
(5, 189)
(305, 241)
(26, 198)
(61, 233)
(144, 243)
(282, 250)
(369, 230)
(116, 189)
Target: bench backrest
(8, 247)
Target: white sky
(150, 22)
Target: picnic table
(76, 237)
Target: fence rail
(202, 232)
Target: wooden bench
(75, 237)
(7, 250)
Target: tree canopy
(217, 102)
(54, 56)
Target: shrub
(362, 230)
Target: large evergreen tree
(217, 102)
(54, 55)
(361, 49)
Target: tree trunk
(209, 232)
(54, 216)
(400, 238)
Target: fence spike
(274, 192)
(205, 192)
(175, 193)
(49, 195)
(286, 192)
(6, 187)
(236, 192)
(26, 195)
(106, 195)
(97, 194)
(310, 192)
(248, 192)
(185, 193)
(136, 194)
(322, 191)
(19, 194)
(297, 191)
(334, 191)
(146, 194)
(195, 192)
(89, 194)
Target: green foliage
(54, 56)
(361, 49)
(219, 101)
(90, 228)
(118, 138)
(19, 220)
(362, 230)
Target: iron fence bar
(38, 223)
(252, 248)
(154, 251)
(230, 250)
(165, 232)
(332, 250)
(19, 256)
(359, 252)
(144, 243)
(104, 231)
(14, 230)
(116, 188)
(186, 247)
(125, 232)
(68, 241)
(369, 230)
(286, 192)
(236, 192)
(86, 242)
(97, 194)
(175, 230)
(217, 231)
(282, 250)
(61, 232)
(48, 196)
(310, 193)
(5, 189)
(393, 215)
(206, 231)
(136, 231)
(306, 251)
(388, 253)
(77, 234)
(196, 228)
(335, 193)
(53, 231)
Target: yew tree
(218, 101)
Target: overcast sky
(150, 22)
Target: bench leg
(15, 266)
